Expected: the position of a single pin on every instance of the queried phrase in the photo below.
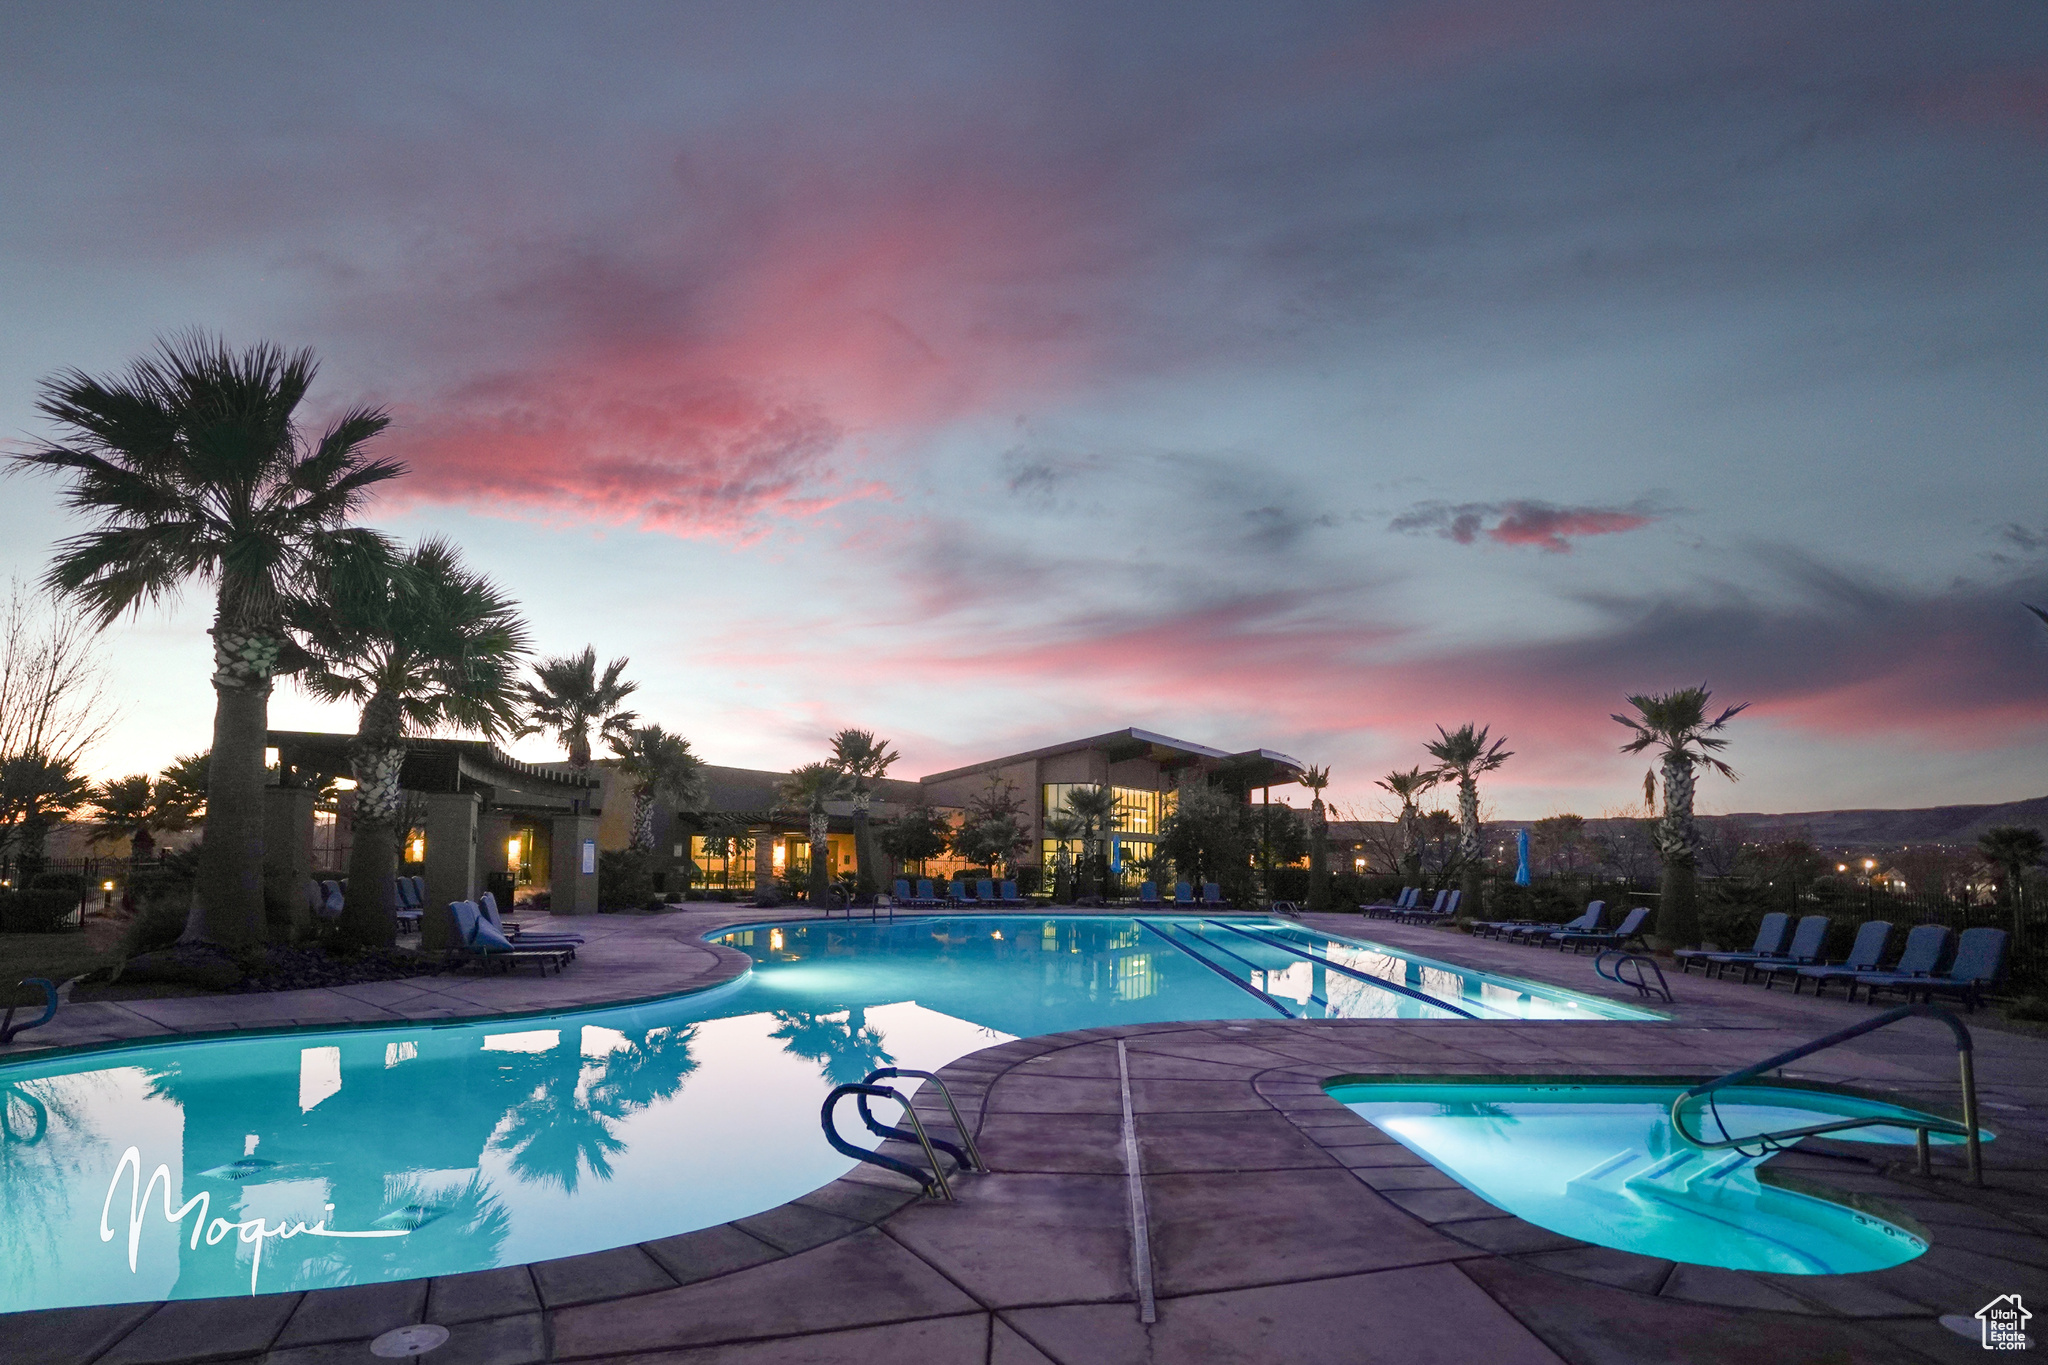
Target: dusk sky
(1297, 377)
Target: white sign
(2005, 1324)
(589, 857)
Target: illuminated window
(1137, 811)
(416, 846)
(512, 847)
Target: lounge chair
(1809, 946)
(487, 904)
(985, 891)
(1010, 896)
(1212, 896)
(1148, 893)
(1631, 929)
(1587, 921)
(956, 892)
(1980, 963)
(1405, 900)
(1770, 942)
(484, 945)
(1927, 947)
(903, 891)
(925, 895)
(1183, 894)
(1446, 906)
(1436, 907)
(1872, 938)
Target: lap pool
(322, 1158)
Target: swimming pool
(319, 1158)
(1601, 1163)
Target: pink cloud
(1523, 522)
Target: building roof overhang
(1269, 767)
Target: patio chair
(1865, 955)
(334, 895)
(406, 909)
(1148, 893)
(1770, 942)
(1809, 945)
(323, 904)
(1981, 956)
(985, 891)
(1212, 896)
(483, 944)
(1630, 930)
(925, 894)
(1414, 909)
(1587, 921)
(1927, 947)
(903, 892)
(956, 892)
(1446, 907)
(1403, 901)
(1010, 896)
(488, 905)
(1183, 894)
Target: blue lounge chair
(487, 905)
(1586, 922)
(1630, 930)
(925, 894)
(1212, 895)
(1183, 894)
(1927, 947)
(1010, 896)
(1148, 893)
(1809, 946)
(985, 891)
(1436, 907)
(1445, 907)
(903, 891)
(1770, 942)
(1404, 901)
(482, 943)
(956, 892)
(1872, 938)
(1980, 963)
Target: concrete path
(1283, 1228)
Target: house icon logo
(2004, 1323)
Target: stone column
(764, 867)
(571, 890)
(451, 861)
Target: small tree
(1465, 755)
(1676, 724)
(2012, 849)
(36, 791)
(919, 833)
(808, 790)
(1063, 829)
(993, 832)
(663, 769)
(1408, 788)
(1208, 837)
(865, 760)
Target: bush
(74, 882)
(1028, 879)
(625, 878)
(158, 924)
(40, 911)
(1290, 884)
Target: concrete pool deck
(1283, 1228)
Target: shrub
(625, 878)
(158, 923)
(36, 912)
(2031, 1008)
(1028, 879)
(1290, 884)
(74, 882)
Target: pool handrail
(1639, 981)
(972, 1156)
(844, 1148)
(8, 1028)
(1347, 971)
(1967, 1129)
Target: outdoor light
(106, 886)
(512, 852)
(1841, 867)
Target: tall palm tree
(864, 759)
(194, 466)
(1409, 787)
(36, 791)
(422, 645)
(1063, 829)
(569, 700)
(1465, 754)
(1316, 779)
(137, 808)
(1095, 808)
(663, 768)
(808, 789)
(1676, 725)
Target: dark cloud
(1524, 522)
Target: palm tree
(863, 758)
(137, 808)
(808, 789)
(194, 466)
(1095, 808)
(569, 700)
(1465, 754)
(663, 768)
(1063, 829)
(36, 791)
(422, 645)
(2012, 849)
(1316, 779)
(1409, 787)
(1676, 725)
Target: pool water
(1600, 1162)
(332, 1157)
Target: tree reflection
(566, 1123)
(843, 1044)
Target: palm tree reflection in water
(567, 1121)
(843, 1044)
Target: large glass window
(1137, 811)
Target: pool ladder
(1768, 1142)
(934, 1184)
(1620, 973)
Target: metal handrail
(971, 1158)
(8, 1028)
(840, 1144)
(1967, 1129)
(1643, 987)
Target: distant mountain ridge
(1931, 825)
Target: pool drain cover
(401, 1343)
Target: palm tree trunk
(643, 818)
(227, 904)
(1318, 857)
(1472, 885)
(1411, 842)
(1678, 912)
(866, 883)
(369, 914)
(821, 853)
